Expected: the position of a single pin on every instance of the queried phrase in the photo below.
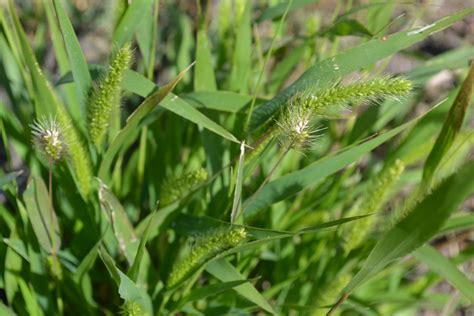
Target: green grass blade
(77, 61)
(131, 21)
(38, 206)
(86, 263)
(62, 59)
(109, 264)
(451, 128)
(290, 184)
(446, 269)
(122, 228)
(457, 223)
(226, 272)
(239, 75)
(419, 226)
(5, 310)
(361, 56)
(278, 10)
(130, 292)
(135, 268)
(209, 290)
(237, 202)
(9, 177)
(204, 77)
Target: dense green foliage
(277, 168)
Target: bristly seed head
(48, 137)
(296, 126)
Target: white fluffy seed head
(48, 137)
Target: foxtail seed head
(106, 95)
(327, 102)
(207, 247)
(296, 125)
(48, 137)
(174, 189)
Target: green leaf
(129, 291)
(130, 21)
(325, 72)
(446, 269)
(460, 222)
(451, 128)
(225, 101)
(204, 78)
(209, 290)
(86, 264)
(422, 223)
(347, 27)
(237, 202)
(122, 228)
(82, 77)
(31, 299)
(290, 184)
(241, 62)
(18, 246)
(9, 177)
(41, 215)
(135, 268)
(5, 310)
(278, 10)
(62, 59)
(226, 272)
(109, 264)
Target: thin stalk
(267, 58)
(55, 262)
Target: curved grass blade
(451, 128)
(363, 55)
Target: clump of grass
(207, 247)
(105, 97)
